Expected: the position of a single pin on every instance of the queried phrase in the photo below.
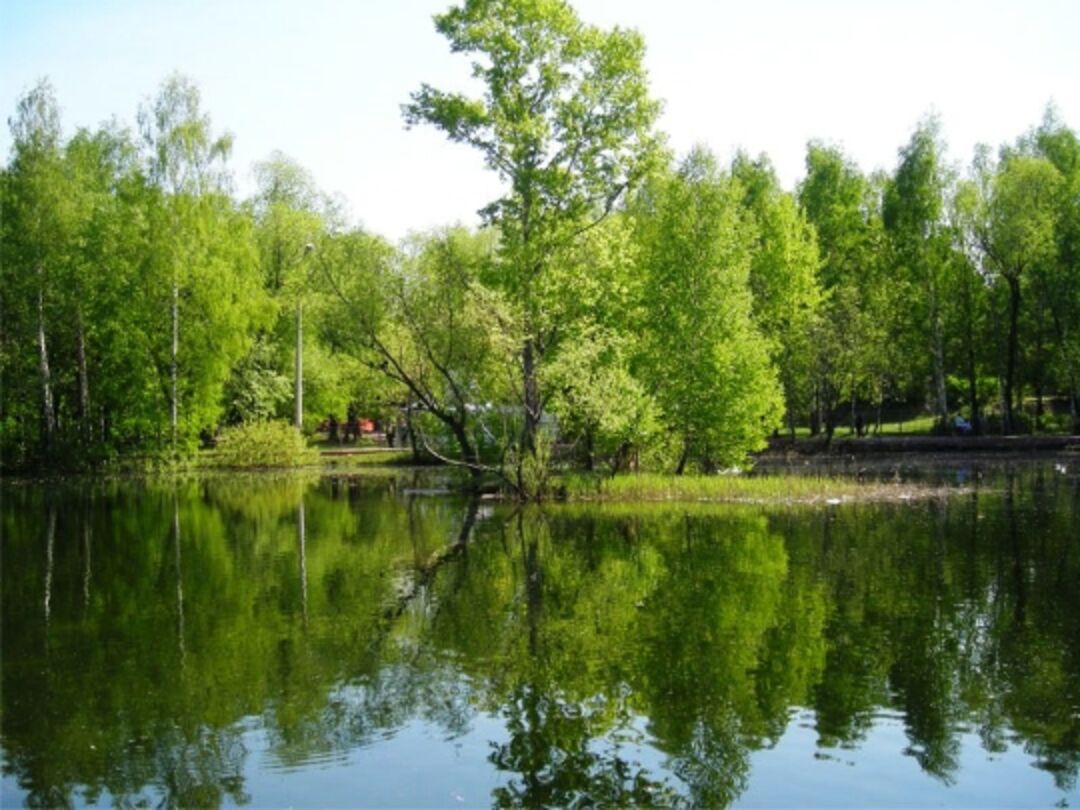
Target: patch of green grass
(920, 426)
(386, 457)
(731, 488)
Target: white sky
(323, 80)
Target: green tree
(566, 120)
(36, 238)
(1057, 283)
(914, 216)
(423, 321)
(968, 295)
(783, 278)
(702, 355)
(1018, 234)
(856, 334)
(289, 217)
(202, 253)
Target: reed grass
(732, 488)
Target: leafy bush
(262, 444)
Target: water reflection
(188, 643)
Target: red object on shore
(367, 426)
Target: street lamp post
(299, 382)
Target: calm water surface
(362, 641)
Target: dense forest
(620, 305)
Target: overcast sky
(323, 80)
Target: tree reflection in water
(632, 655)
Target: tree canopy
(620, 306)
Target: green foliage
(701, 353)
(649, 314)
(787, 295)
(261, 444)
(566, 120)
(913, 209)
(256, 391)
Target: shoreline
(906, 445)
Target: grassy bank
(735, 489)
(381, 457)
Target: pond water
(366, 641)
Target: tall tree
(36, 230)
(1017, 235)
(184, 162)
(566, 120)
(783, 277)
(288, 223)
(1057, 283)
(854, 334)
(968, 295)
(705, 361)
(913, 211)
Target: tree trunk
(973, 389)
(937, 351)
(1013, 349)
(854, 427)
(468, 452)
(48, 414)
(1037, 383)
(412, 432)
(681, 466)
(173, 360)
(1001, 402)
(298, 383)
(85, 422)
(531, 390)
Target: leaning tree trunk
(48, 415)
(469, 453)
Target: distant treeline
(629, 306)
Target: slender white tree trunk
(299, 383)
(173, 363)
(48, 415)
